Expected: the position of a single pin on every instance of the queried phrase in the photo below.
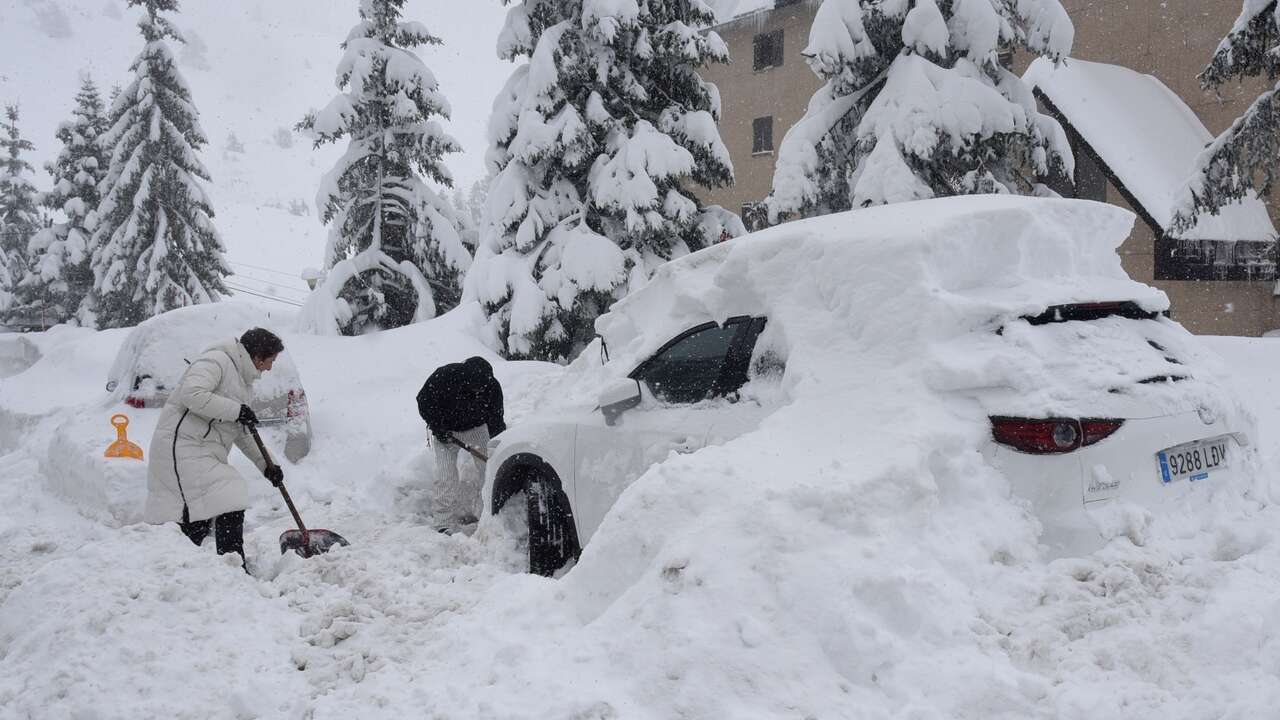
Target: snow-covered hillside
(255, 68)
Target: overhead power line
(272, 285)
(294, 276)
(264, 296)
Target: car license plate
(1194, 460)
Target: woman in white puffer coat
(189, 480)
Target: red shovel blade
(314, 542)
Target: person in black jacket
(462, 405)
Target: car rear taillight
(135, 402)
(296, 403)
(1091, 431)
(1050, 436)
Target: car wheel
(553, 540)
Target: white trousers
(455, 496)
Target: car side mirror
(618, 398)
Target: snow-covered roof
(730, 10)
(1149, 139)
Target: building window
(1240, 260)
(768, 50)
(762, 135)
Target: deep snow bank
(853, 558)
(361, 393)
(103, 617)
(17, 353)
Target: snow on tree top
(1148, 137)
(624, 177)
(619, 11)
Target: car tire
(553, 540)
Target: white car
(156, 352)
(1088, 393)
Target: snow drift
(856, 543)
(854, 557)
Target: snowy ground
(104, 618)
(809, 604)
(117, 605)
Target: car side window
(738, 370)
(686, 371)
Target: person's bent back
(460, 396)
(462, 406)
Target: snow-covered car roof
(930, 285)
(162, 345)
(981, 256)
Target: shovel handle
(474, 452)
(306, 540)
(253, 430)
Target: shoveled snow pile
(854, 557)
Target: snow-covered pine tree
(1242, 160)
(394, 254)
(6, 280)
(154, 244)
(58, 277)
(477, 198)
(917, 104)
(19, 211)
(468, 219)
(597, 142)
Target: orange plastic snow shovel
(302, 541)
(122, 447)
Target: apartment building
(1223, 285)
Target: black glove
(247, 418)
(275, 474)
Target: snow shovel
(474, 452)
(302, 541)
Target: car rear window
(1090, 311)
(1113, 345)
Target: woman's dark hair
(261, 343)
